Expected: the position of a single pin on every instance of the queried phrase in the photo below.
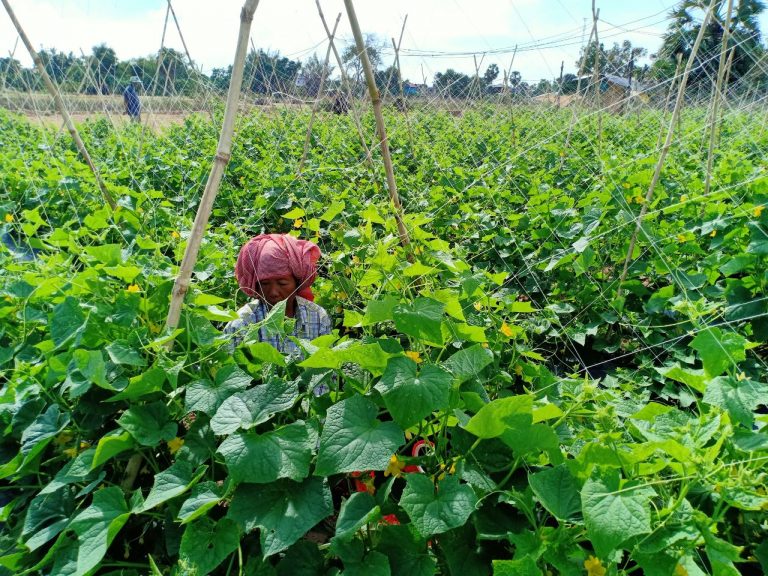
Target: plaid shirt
(311, 321)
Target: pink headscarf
(268, 256)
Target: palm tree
(745, 38)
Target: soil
(155, 121)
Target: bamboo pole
(318, 98)
(560, 84)
(181, 285)
(718, 98)
(62, 108)
(400, 82)
(667, 143)
(380, 128)
(597, 83)
(668, 98)
(347, 88)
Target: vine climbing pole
(667, 142)
(380, 127)
(54, 92)
(181, 285)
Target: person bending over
(275, 267)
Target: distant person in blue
(131, 99)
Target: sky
(547, 32)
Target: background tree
(103, 65)
(452, 83)
(491, 73)
(313, 71)
(267, 73)
(374, 46)
(745, 40)
(615, 60)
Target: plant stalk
(667, 143)
(223, 151)
(54, 91)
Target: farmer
(131, 99)
(273, 268)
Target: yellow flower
(9, 218)
(477, 306)
(133, 288)
(63, 438)
(395, 467)
(418, 250)
(298, 223)
(443, 471)
(741, 377)
(713, 234)
(756, 212)
(485, 344)
(684, 198)
(175, 235)
(415, 356)
(71, 452)
(175, 445)
(639, 199)
(680, 238)
(680, 570)
(355, 260)
(626, 184)
(518, 370)
(506, 330)
(594, 566)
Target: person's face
(277, 289)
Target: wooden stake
(667, 143)
(181, 285)
(54, 91)
(597, 83)
(560, 84)
(318, 98)
(718, 98)
(668, 98)
(380, 128)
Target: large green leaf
(468, 363)
(149, 382)
(558, 491)
(263, 458)
(110, 445)
(411, 396)
(493, 419)
(614, 513)
(354, 439)
(436, 509)
(204, 496)
(407, 551)
(355, 512)
(739, 397)
(284, 510)
(421, 320)
(97, 526)
(149, 424)
(121, 352)
(719, 350)
(67, 321)
(41, 431)
(171, 483)
(207, 396)
(206, 543)
(254, 406)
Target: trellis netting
(560, 368)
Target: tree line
(170, 72)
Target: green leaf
(693, 378)
(333, 210)
(357, 511)
(111, 445)
(434, 510)
(265, 352)
(97, 526)
(380, 310)
(614, 513)
(263, 458)
(525, 566)
(409, 396)
(521, 307)
(354, 439)
(149, 424)
(493, 419)
(407, 552)
(206, 543)
(739, 397)
(558, 491)
(421, 320)
(124, 273)
(41, 431)
(469, 362)
(142, 385)
(284, 510)
(254, 406)
(47, 515)
(121, 352)
(67, 321)
(170, 483)
(109, 254)
(204, 496)
(719, 350)
(207, 396)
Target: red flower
(390, 519)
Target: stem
(667, 143)
(61, 107)
(380, 128)
(181, 285)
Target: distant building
(412, 89)
(614, 90)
